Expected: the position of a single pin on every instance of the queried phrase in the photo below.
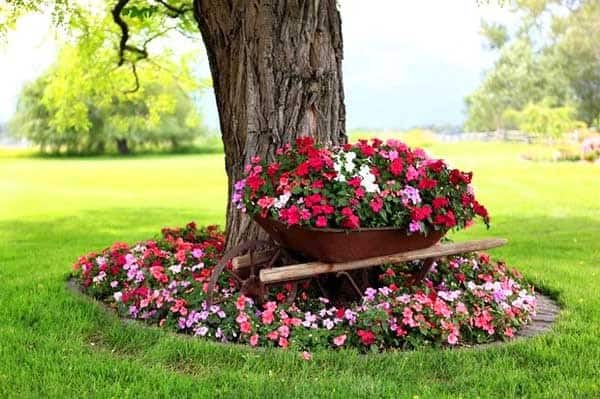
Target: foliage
(368, 184)
(466, 299)
(542, 120)
(553, 57)
(518, 77)
(82, 104)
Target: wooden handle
(306, 270)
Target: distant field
(55, 344)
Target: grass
(57, 344)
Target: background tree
(553, 57)
(78, 107)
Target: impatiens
(367, 184)
(464, 300)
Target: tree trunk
(277, 75)
(122, 146)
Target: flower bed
(464, 300)
(367, 184)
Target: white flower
(118, 296)
(282, 200)
(175, 269)
(100, 277)
(368, 179)
(198, 266)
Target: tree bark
(277, 75)
(122, 146)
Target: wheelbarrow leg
(425, 268)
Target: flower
(350, 186)
(321, 221)
(462, 298)
(306, 356)
(340, 340)
(396, 166)
(366, 337)
(452, 339)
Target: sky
(406, 63)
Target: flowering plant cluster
(464, 300)
(367, 184)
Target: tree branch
(174, 11)
(123, 46)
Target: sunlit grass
(54, 343)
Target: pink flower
(240, 304)
(452, 339)
(273, 335)
(267, 317)
(339, 340)
(411, 173)
(376, 204)
(284, 331)
(509, 332)
(254, 340)
(245, 327)
(306, 356)
(197, 253)
(283, 342)
(461, 308)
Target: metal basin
(339, 245)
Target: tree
(543, 120)
(276, 69)
(518, 77)
(77, 107)
(553, 57)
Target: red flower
(421, 213)
(456, 176)
(351, 221)
(448, 220)
(302, 169)
(316, 163)
(480, 209)
(427, 184)
(396, 167)
(290, 215)
(312, 200)
(439, 202)
(354, 181)
(365, 148)
(255, 182)
(359, 192)
(321, 221)
(466, 199)
(366, 337)
(317, 185)
(304, 144)
(436, 166)
(272, 169)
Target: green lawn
(56, 344)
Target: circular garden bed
(464, 300)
